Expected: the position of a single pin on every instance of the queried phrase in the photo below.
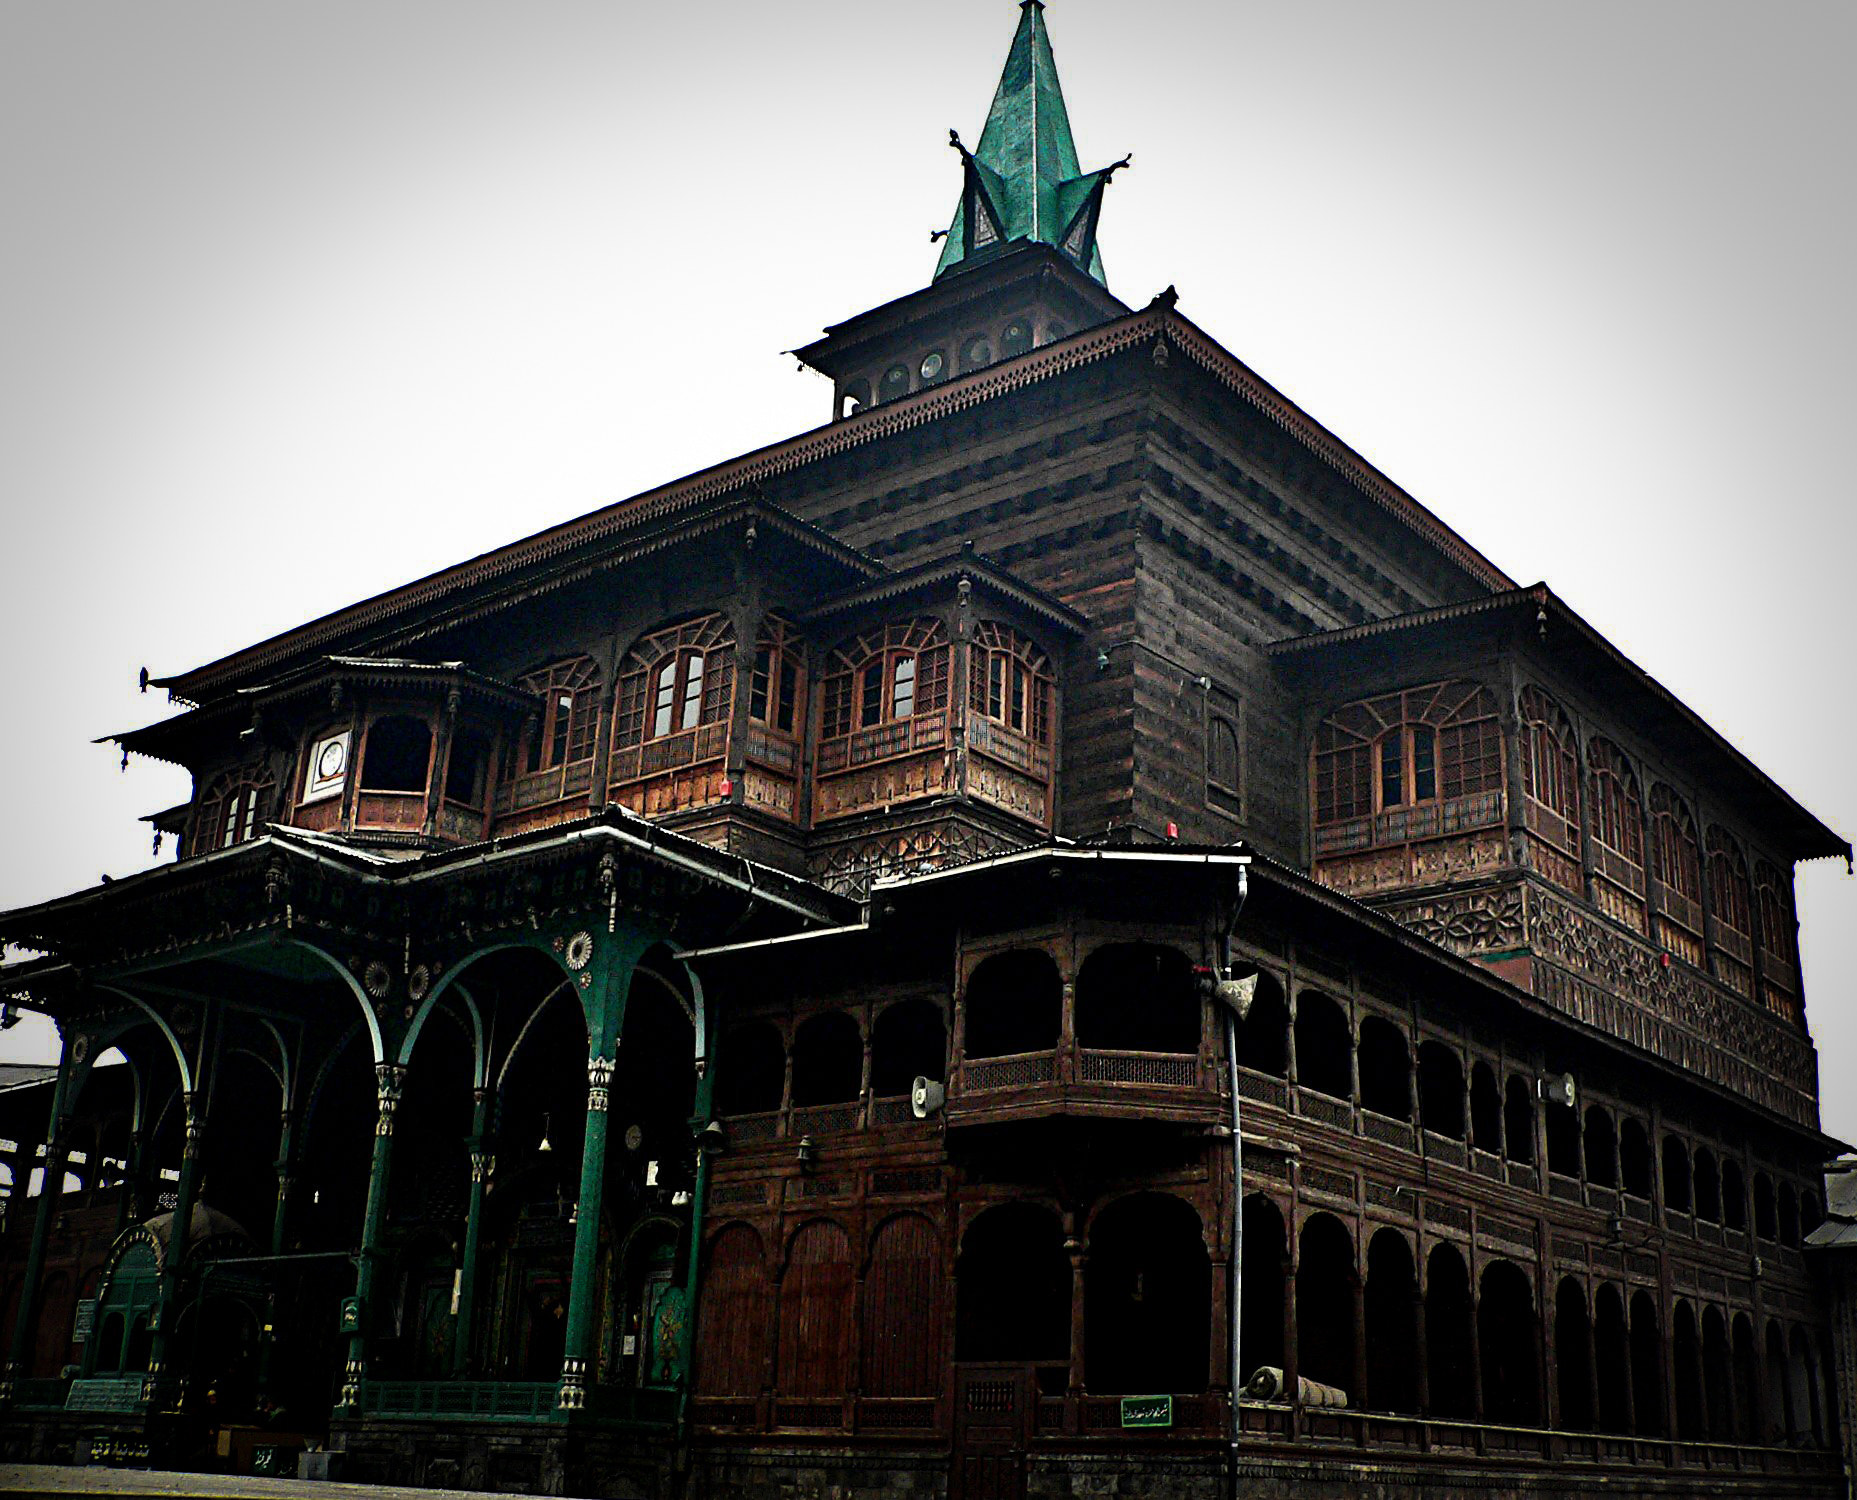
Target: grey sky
(300, 301)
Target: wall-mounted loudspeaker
(926, 1097)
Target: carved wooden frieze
(1003, 787)
(850, 868)
(1433, 862)
(1603, 977)
(891, 781)
(1489, 920)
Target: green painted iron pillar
(605, 982)
(186, 1194)
(390, 1079)
(482, 1163)
(707, 1145)
(51, 1186)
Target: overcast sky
(300, 301)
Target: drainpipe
(1236, 999)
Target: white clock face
(328, 766)
(634, 1138)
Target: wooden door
(992, 1416)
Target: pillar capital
(599, 1084)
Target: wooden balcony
(1101, 1083)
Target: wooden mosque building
(1032, 939)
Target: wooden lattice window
(1779, 937)
(1010, 682)
(676, 680)
(570, 693)
(1673, 843)
(1618, 811)
(1439, 743)
(1730, 900)
(887, 674)
(233, 809)
(1676, 859)
(776, 688)
(1224, 752)
(1551, 766)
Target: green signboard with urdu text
(1147, 1411)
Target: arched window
(676, 693)
(1618, 834)
(467, 769)
(1677, 1197)
(1408, 753)
(776, 687)
(1601, 1148)
(732, 1315)
(1789, 1216)
(1264, 1250)
(751, 1067)
(233, 809)
(1147, 1298)
(1766, 1221)
(1560, 1123)
(976, 353)
(1017, 338)
(1618, 816)
(1325, 1279)
(1634, 1159)
(1014, 1004)
(885, 693)
(1676, 860)
(1779, 938)
(1323, 1046)
(895, 383)
(1390, 1303)
(1385, 1069)
(1485, 1109)
(1573, 1356)
(397, 755)
(1508, 1339)
(1732, 903)
(1138, 997)
(1707, 1182)
(907, 1042)
(1518, 1118)
(853, 399)
(1551, 776)
(828, 1060)
(1612, 1358)
(815, 1313)
(1264, 1034)
(1687, 1361)
(1734, 1196)
(1441, 1090)
(563, 734)
(1012, 1287)
(902, 1299)
(1010, 688)
(1448, 1324)
(1224, 764)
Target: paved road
(49, 1480)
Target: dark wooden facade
(521, 1048)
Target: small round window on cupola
(1016, 339)
(977, 354)
(933, 367)
(895, 383)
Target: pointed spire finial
(1022, 182)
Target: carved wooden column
(1079, 1259)
(1291, 1365)
(1358, 1290)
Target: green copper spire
(1023, 181)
